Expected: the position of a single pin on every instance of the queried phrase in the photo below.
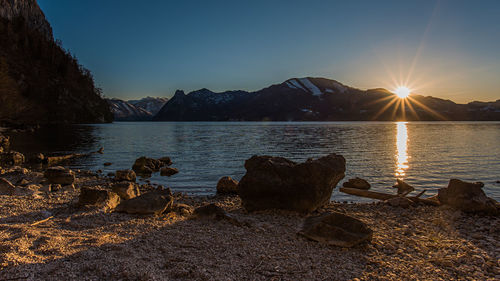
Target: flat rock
(98, 198)
(278, 183)
(467, 196)
(227, 185)
(59, 175)
(151, 203)
(126, 190)
(336, 229)
(125, 175)
(402, 202)
(168, 171)
(357, 183)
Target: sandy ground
(419, 243)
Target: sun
(402, 92)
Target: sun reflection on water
(401, 149)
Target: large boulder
(467, 196)
(278, 183)
(98, 198)
(146, 166)
(357, 183)
(336, 229)
(227, 185)
(151, 203)
(125, 175)
(126, 190)
(59, 175)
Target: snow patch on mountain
(312, 88)
(297, 85)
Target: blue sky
(448, 48)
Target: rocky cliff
(40, 82)
(29, 11)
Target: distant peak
(179, 93)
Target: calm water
(425, 154)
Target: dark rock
(4, 143)
(336, 229)
(126, 190)
(357, 183)
(144, 165)
(466, 196)
(402, 202)
(12, 158)
(183, 209)
(168, 171)
(166, 161)
(403, 187)
(6, 187)
(278, 183)
(227, 185)
(107, 164)
(125, 175)
(98, 198)
(210, 210)
(59, 175)
(154, 202)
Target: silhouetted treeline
(42, 83)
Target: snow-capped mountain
(315, 99)
(150, 104)
(136, 110)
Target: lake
(425, 154)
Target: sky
(448, 49)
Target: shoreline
(421, 242)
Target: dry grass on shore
(419, 243)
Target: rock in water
(227, 185)
(336, 229)
(98, 197)
(125, 175)
(146, 166)
(466, 196)
(166, 161)
(126, 190)
(6, 187)
(59, 175)
(167, 171)
(155, 202)
(278, 183)
(357, 183)
(403, 187)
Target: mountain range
(136, 110)
(318, 99)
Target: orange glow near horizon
(401, 150)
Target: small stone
(68, 188)
(227, 185)
(22, 182)
(403, 187)
(55, 187)
(166, 161)
(46, 188)
(125, 175)
(336, 229)
(126, 190)
(152, 203)
(167, 171)
(107, 164)
(98, 197)
(59, 175)
(183, 209)
(402, 202)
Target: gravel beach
(79, 243)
